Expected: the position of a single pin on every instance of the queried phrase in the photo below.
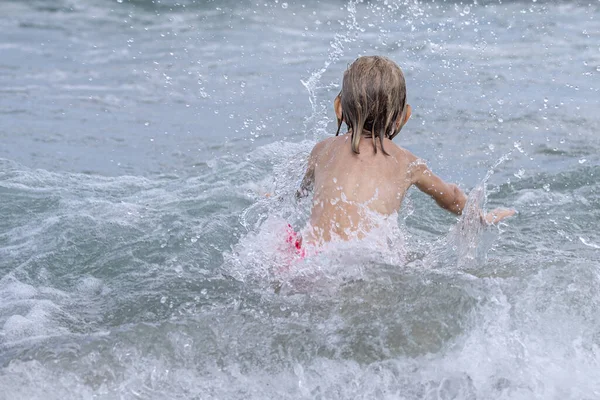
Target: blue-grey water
(149, 152)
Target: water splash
(318, 115)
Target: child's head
(373, 99)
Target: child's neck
(365, 133)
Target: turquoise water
(138, 251)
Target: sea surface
(149, 155)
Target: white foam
(40, 321)
(589, 244)
(16, 290)
(30, 312)
(91, 286)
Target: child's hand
(497, 215)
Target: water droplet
(119, 1)
(581, 161)
(163, 300)
(520, 173)
(146, 123)
(466, 10)
(334, 180)
(284, 5)
(517, 146)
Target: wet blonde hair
(373, 97)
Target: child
(362, 173)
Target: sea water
(149, 156)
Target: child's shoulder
(328, 143)
(406, 157)
(399, 151)
(320, 148)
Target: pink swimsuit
(295, 241)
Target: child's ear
(337, 106)
(401, 122)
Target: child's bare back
(349, 186)
(363, 173)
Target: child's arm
(309, 176)
(448, 195)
